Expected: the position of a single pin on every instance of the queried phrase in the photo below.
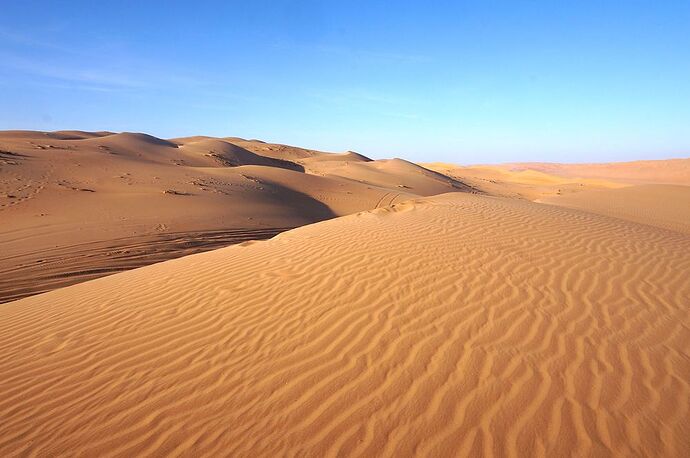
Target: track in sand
(456, 325)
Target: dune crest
(538, 181)
(665, 206)
(78, 205)
(456, 325)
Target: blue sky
(463, 81)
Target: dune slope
(665, 206)
(540, 181)
(664, 171)
(77, 205)
(449, 326)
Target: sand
(393, 309)
(656, 193)
(79, 205)
(539, 181)
(669, 171)
(447, 326)
(664, 206)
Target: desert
(359, 307)
(354, 229)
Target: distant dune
(78, 205)
(665, 206)
(455, 325)
(365, 307)
(535, 181)
(669, 171)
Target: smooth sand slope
(666, 206)
(456, 325)
(538, 181)
(78, 205)
(613, 189)
(668, 171)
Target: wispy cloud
(70, 73)
(87, 67)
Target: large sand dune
(656, 193)
(669, 171)
(78, 205)
(666, 206)
(456, 325)
(535, 181)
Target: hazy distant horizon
(464, 82)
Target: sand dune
(669, 171)
(347, 156)
(275, 150)
(390, 174)
(473, 322)
(605, 189)
(212, 152)
(65, 193)
(502, 180)
(665, 206)
(542, 181)
(456, 325)
(36, 271)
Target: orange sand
(535, 311)
(449, 326)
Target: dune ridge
(538, 181)
(63, 193)
(665, 206)
(447, 326)
(37, 271)
(665, 171)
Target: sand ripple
(449, 326)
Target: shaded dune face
(457, 325)
(77, 205)
(227, 154)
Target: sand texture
(454, 325)
(79, 205)
(669, 171)
(540, 181)
(665, 206)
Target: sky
(462, 81)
